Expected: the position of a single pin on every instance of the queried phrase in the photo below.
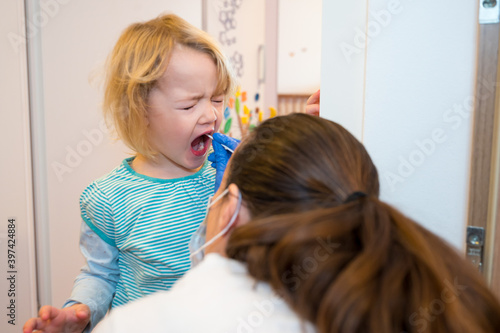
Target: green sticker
(227, 126)
(237, 105)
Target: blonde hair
(137, 62)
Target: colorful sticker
(227, 126)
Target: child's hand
(312, 106)
(72, 319)
(220, 156)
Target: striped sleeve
(97, 213)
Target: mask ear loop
(226, 228)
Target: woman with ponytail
(297, 240)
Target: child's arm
(96, 283)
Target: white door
(400, 75)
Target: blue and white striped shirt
(150, 221)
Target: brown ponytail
(346, 267)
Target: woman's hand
(72, 319)
(220, 156)
(312, 106)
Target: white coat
(216, 296)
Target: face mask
(197, 243)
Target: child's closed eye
(218, 100)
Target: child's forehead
(185, 60)
(191, 71)
(184, 53)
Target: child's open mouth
(200, 145)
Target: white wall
(17, 260)
(299, 46)
(406, 89)
(239, 28)
(75, 43)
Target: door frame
(485, 157)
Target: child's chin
(195, 165)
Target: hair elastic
(355, 196)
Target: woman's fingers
(312, 105)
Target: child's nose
(210, 114)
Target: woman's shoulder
(221, 287)
(218, 295)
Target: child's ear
(230, 207)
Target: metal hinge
(475, 246)
(489, 11)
